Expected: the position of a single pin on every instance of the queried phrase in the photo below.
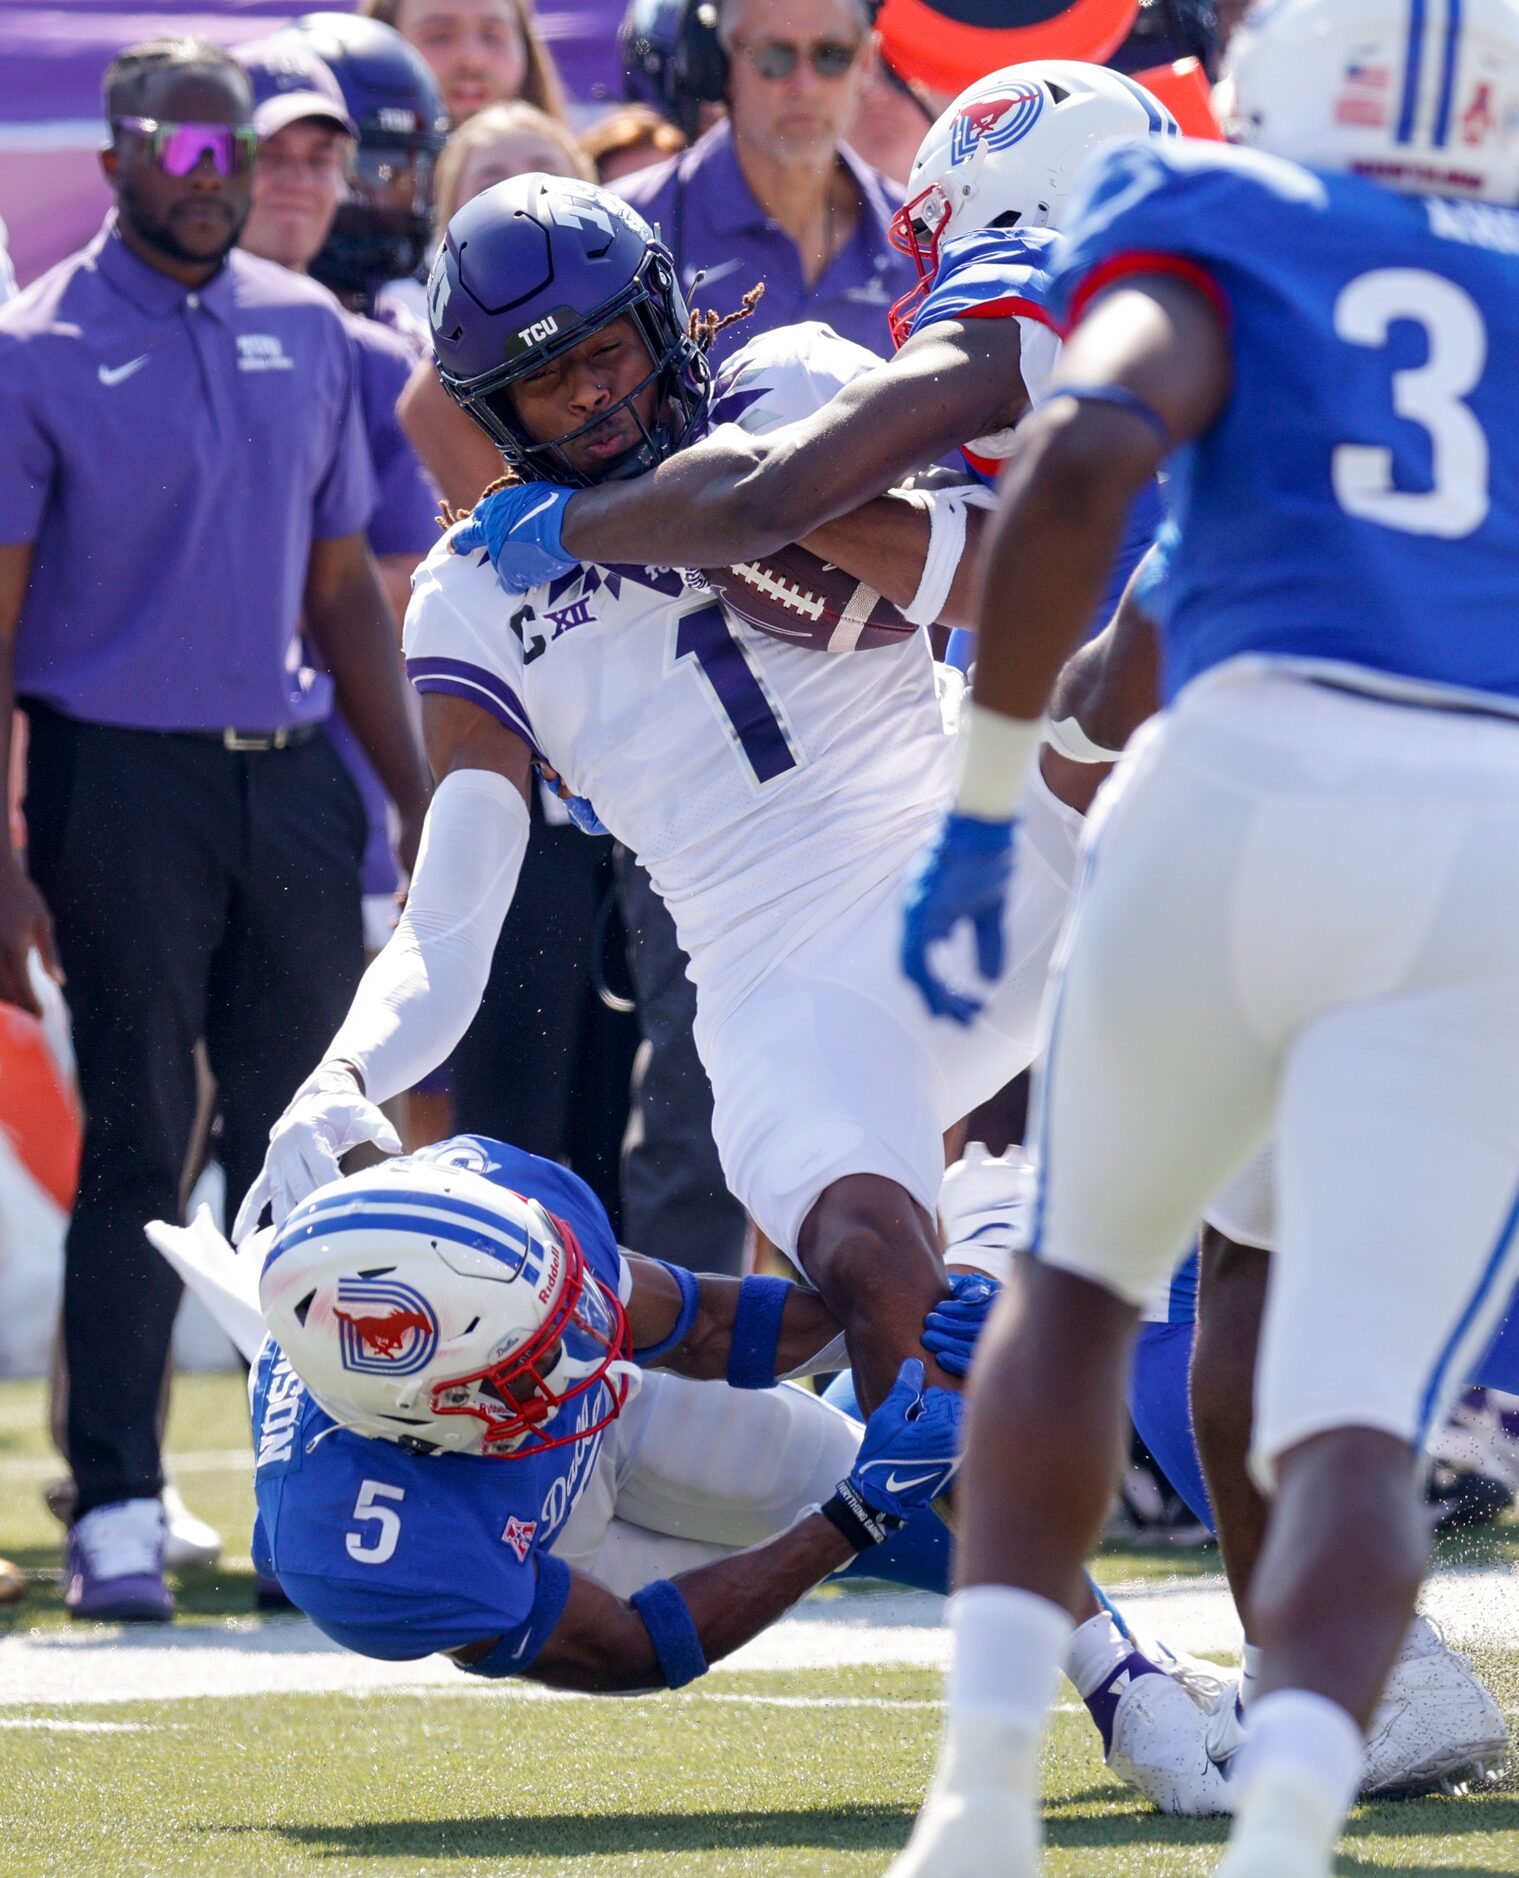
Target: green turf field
(802, 1771)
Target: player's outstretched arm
(735, 497)
(418, 996)
(668, 1633)
(744, 1331)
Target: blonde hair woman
(503, 140)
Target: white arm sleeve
(420, 995)
(947, 509)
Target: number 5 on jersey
(744, 705)
(379, 1546)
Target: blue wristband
(690, 1297)
(757, 1332)
(1122, 399)
(672, 1630)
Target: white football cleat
(1436, 1729)
(1282, 1831)
(187, 1540)
(971, 1835)
(1160, 1748)
(981, 1816)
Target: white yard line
(286, 1656)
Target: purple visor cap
(290, 82)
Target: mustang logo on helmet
(394, 1336)
(1000, 122)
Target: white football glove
(325, 1117)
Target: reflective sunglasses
(178, 148)
(776, 59)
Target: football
(793, 595)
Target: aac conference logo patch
(1000, 122)
(384, 1328)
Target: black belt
(284, 739)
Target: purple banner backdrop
(52, 195)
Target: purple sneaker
(114, 1565)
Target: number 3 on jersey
(1431, 395)
(744, 705)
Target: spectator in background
(482, 52)
(890, 121)
(631, 138)
(504, 140)
(306, 145)
(377, 253)
(183, 481)
(774, 193)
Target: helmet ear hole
(303, 1308)
(1058, 93)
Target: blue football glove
(953, 1327)
(519, 529)
(911, 1449)
(963, 873)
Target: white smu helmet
(1422, 95)
(423, 1304)
(1006, 152)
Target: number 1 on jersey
(706, 636)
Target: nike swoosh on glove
(519, 529)
(911, 1449)
(325, 1117)
(953, 1327)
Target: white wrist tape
(421, 993)
(1066, 735)
(995, 755)
(947, 510)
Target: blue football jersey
(1357, 502)
(1002, 273)
(396, 1554)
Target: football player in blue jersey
(482, 1428)
(1297, 911)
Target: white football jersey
(765, 786)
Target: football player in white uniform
(775, 794)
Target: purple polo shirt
(171, 455)
(708, 218)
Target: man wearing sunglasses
(184, 485)
(773, 193)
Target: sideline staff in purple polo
(183, 479)
(773, 193)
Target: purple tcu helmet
(530, 269)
